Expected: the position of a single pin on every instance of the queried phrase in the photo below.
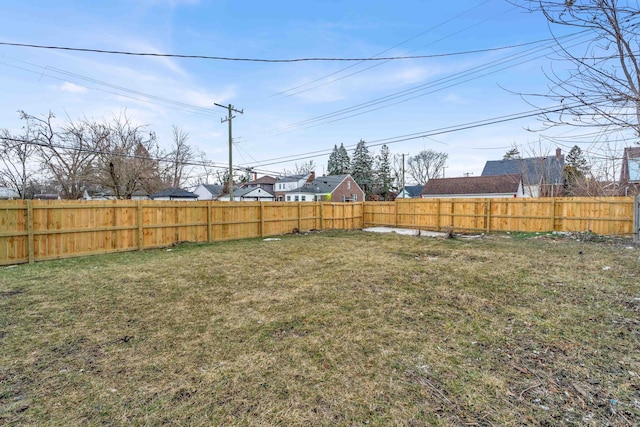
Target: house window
(297, 199)
(344, 198)
(303, 198)
(348, 185)
(355, 197)
(288, 198)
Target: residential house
(106, 195)
(250, 194)
(209, 191)
(288, 183)
(174, 194)
(336, 188)
(266, 182)
(410, 192)
(474, 186)
(541, 176)
(630, 172)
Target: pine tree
(362, 167)
(512, 154)
(343, 161)
(333, 167)
(383, 177)
(576, 160)
(575, 171)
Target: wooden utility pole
(229, 118)
(404, 190)
(636, 219)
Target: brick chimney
(558, 154)
(255, 176)
(312, 176)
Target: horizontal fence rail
(607, 215)
(42, 230)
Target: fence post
(261, 219)
(553, 214)
(140, 228)
(636, 219)
(321, 215)
(395, 211)
(209, 225)
(488, 207)
(30, 234)
(438, 226)
(299, 216)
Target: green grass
(333, 328)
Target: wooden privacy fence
(42, 230)
(607, 215)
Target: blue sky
(407, 96)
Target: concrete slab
(405, 231)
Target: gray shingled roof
(174, 192)
(243, 191)
(292, 178)
(413, 190)
(321, 185)
(215, 189)
(262, 180)
(534, 170)
(499, 184)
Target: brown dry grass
(334, 328)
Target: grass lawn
(330, 328)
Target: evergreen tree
(333, 167)
(576, 160)
(512, 154)
(343, 161)
(383, 178)
(362, 167)
(575, 173)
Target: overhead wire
(382, 63)
(320, 59)
(424, 134)
(338, 115)
(286, 91)
(175, 104)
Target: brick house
(335, 188)
(541, 176)
(291, 182)
(475, 186)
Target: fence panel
(610, 215)
(40, 230)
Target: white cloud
(455, 99)
(72, 88)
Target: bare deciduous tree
(426, 165)
(602, 85)
(68, 154)
(16, 156)
(128, 158)
(179, 161)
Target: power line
(176, 104)
(413, 50)
(425, 134)
(223, 58)
(466, 74)
(377, 54)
